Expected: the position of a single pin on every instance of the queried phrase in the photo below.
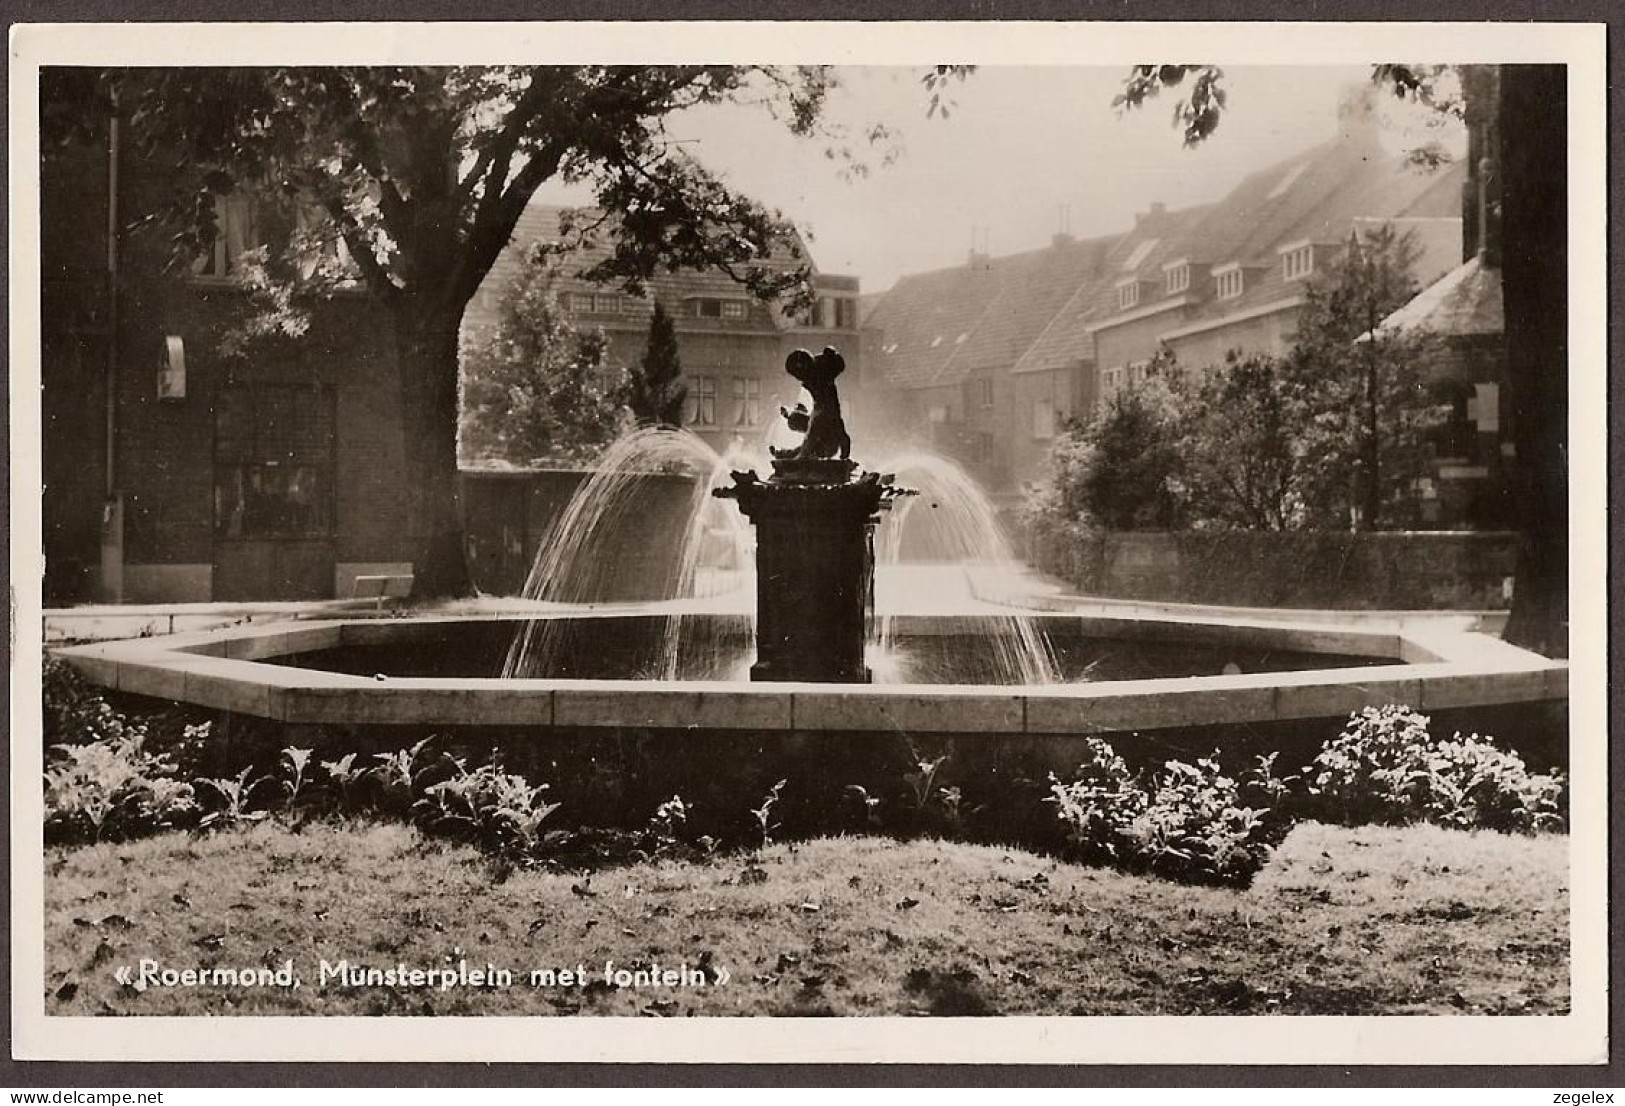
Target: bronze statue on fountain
(814, 538)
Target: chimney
(978, 257)
(1157, 210)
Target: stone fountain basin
(1430, 664)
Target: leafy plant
(764, 813)
(72, 709)
(1195, 826)
(499, 810)
(345, 776)
(1385, 766)
(667, 823)
(236, 794)
(111, 787)
(294, 762)
(397, 773)
(921, 780)
(1098, 803)
(1190, 822)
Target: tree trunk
(1534, 278)
(427, 344)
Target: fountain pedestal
(814, 567)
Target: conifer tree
(656, 393)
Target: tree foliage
(1239, 446)
(656, 392)
(1122, 469)
(535, 389)
(1528, 105)
(1263, 442)
(422, 173)
(1366, 417)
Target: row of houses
(995, 354)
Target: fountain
(845, 682)
(815, 554)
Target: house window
(320, 244)
(984, 447)
(1136, 374)
(733, 309)
(1298, 262)
(1227, 283)
(702, 402)
(1044, 419)
(846, 314)
(236, 232)
(273, 462)
(1111, 382)
(607, 303)
(747, 401)
(984, 391)
(1128, 295)
(708, 309)
(1179, 278)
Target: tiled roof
(1040, 310)
(1068, 338)
(1328, 192)
(942, 326)
(1464, 303)
(541, 223)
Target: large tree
(423, 173)
(1528, 106)
(1364, 417)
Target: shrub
(1098, 804)
(111, 786)
(1386, 767)
(1191, 822)
(1194, 826)
(499, 810)
(71, 708)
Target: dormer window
(1178, 275)
(1297, 261)
(1128, 295)
(1141, 251)
(1227, 281)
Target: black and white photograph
(764, 542)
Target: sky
(1023, 152)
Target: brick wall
(165, 458)
(1370, 571)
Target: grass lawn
(1343, 921)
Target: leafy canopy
(422, 172)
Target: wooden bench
(381, 586)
